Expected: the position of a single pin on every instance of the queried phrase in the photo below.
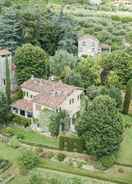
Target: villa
(90, 46)
(42, 94)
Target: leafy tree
(88, 71)
(100, 126)
(60, 60)
(58, 121)
(128, 97)
(30, 60)
(120, 62)
(4, 110)
(74, 78)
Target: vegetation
(59, 121)
(27, 161)
(30, 60)
(71, 143)
(4, 110)
(8, 85)
(43, 37)
(100, 126)
(128, 97)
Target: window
(15, 110)
(29, 114)
(72, 100)
(78, 97)
(4, 81)
(22, 112)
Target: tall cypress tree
(128, 97)
(8, 82)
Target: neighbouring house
(42, 94)
(95, 2)
(5, 55)
(122, 2)
(90, 46)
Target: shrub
(107, 161)
(20, 136)
(36, 179)
(71, 143)
(28, 160)
(22, 121)
(61, 157)
(14, 143)
(4, 164)
(47, 154)
(8, 131)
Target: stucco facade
(90, 46)
(42, 95)
(123, 2)
(4, 56)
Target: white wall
(28, 94)
(88, 47)
(75, 106)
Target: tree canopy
(100, 126)
(30, 60)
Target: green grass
(125, 153)
(6, 152)
(36, 138)
(62, 177)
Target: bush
(20, 136)
(71, 143)
(28, 160)
(8, 131)
(61, 157)
(4, 164)
(14, 143)
(47, 154)
(107, 161)
(21, 121)
(36, 179)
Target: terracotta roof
(23, 104)
(48, 87)
(49, 101)
(103, 45)
(4, 52)
(50, 93)
(84, 37)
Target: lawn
(62, 177)
(125, 153)
(6, 152)
(36, 138)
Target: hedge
(71, 143)
(81, 172)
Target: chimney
(32, 77)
